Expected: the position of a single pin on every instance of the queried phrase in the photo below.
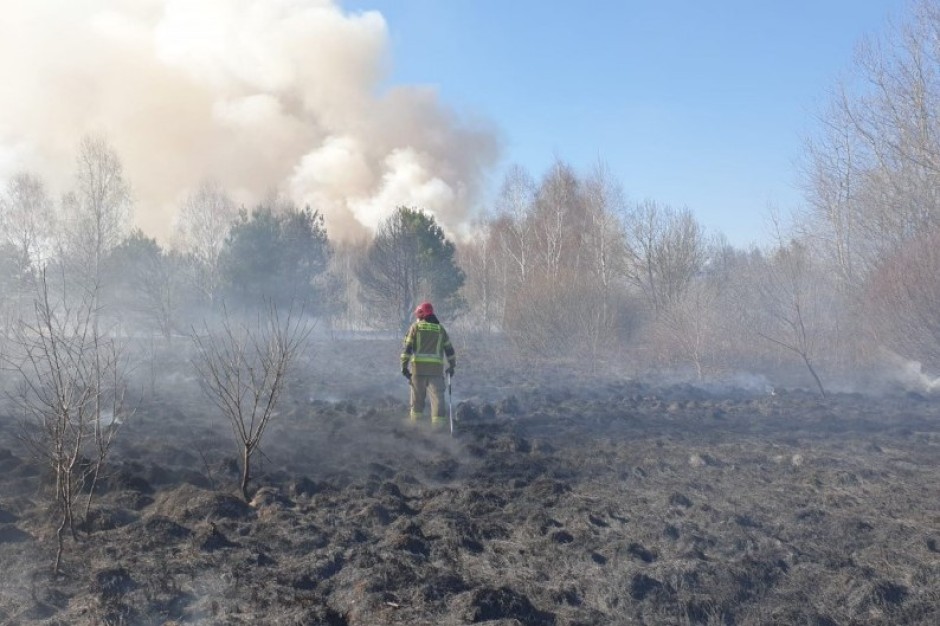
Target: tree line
(562, 266)
(220, 254)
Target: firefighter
(426, 346)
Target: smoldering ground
(564, 497)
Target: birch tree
(513, 224)
(98, 211)
(72, 391)
(873, 173)
(26, 218)
(667, 248)
(204, 222)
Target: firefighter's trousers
(428, 387)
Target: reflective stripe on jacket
(426, 346)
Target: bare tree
(559, 261)
(873, 184)
(605, 232)
(667, 249)
(243, 369)
(480, 288)
(349, 311)
(27, 232)
(688, 330)
(604, 251)
(26, 218)
(903, 300)
(558, 221)
(72, 397)
(794, 304)
(873, 178)
(204, 222)
(513, 226)
(830, 221)
(98, 212)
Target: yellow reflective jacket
(426, 346)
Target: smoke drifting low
(257, 95)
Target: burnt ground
(561, 500)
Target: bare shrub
(689, 330)
(71, 396)
(242, 368)
(788, 300)
(566, 318)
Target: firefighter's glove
(406, 373)
(450, 371)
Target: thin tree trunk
(246, 470)
(812, 371)
(60, 547)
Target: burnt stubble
(578, 501)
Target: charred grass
(585, 502)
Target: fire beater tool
(450, 396)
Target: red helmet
(424, 309)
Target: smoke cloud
(257, 95)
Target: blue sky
(694, 104)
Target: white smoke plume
(907, 373)
(257, 95)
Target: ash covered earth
(562, 499)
